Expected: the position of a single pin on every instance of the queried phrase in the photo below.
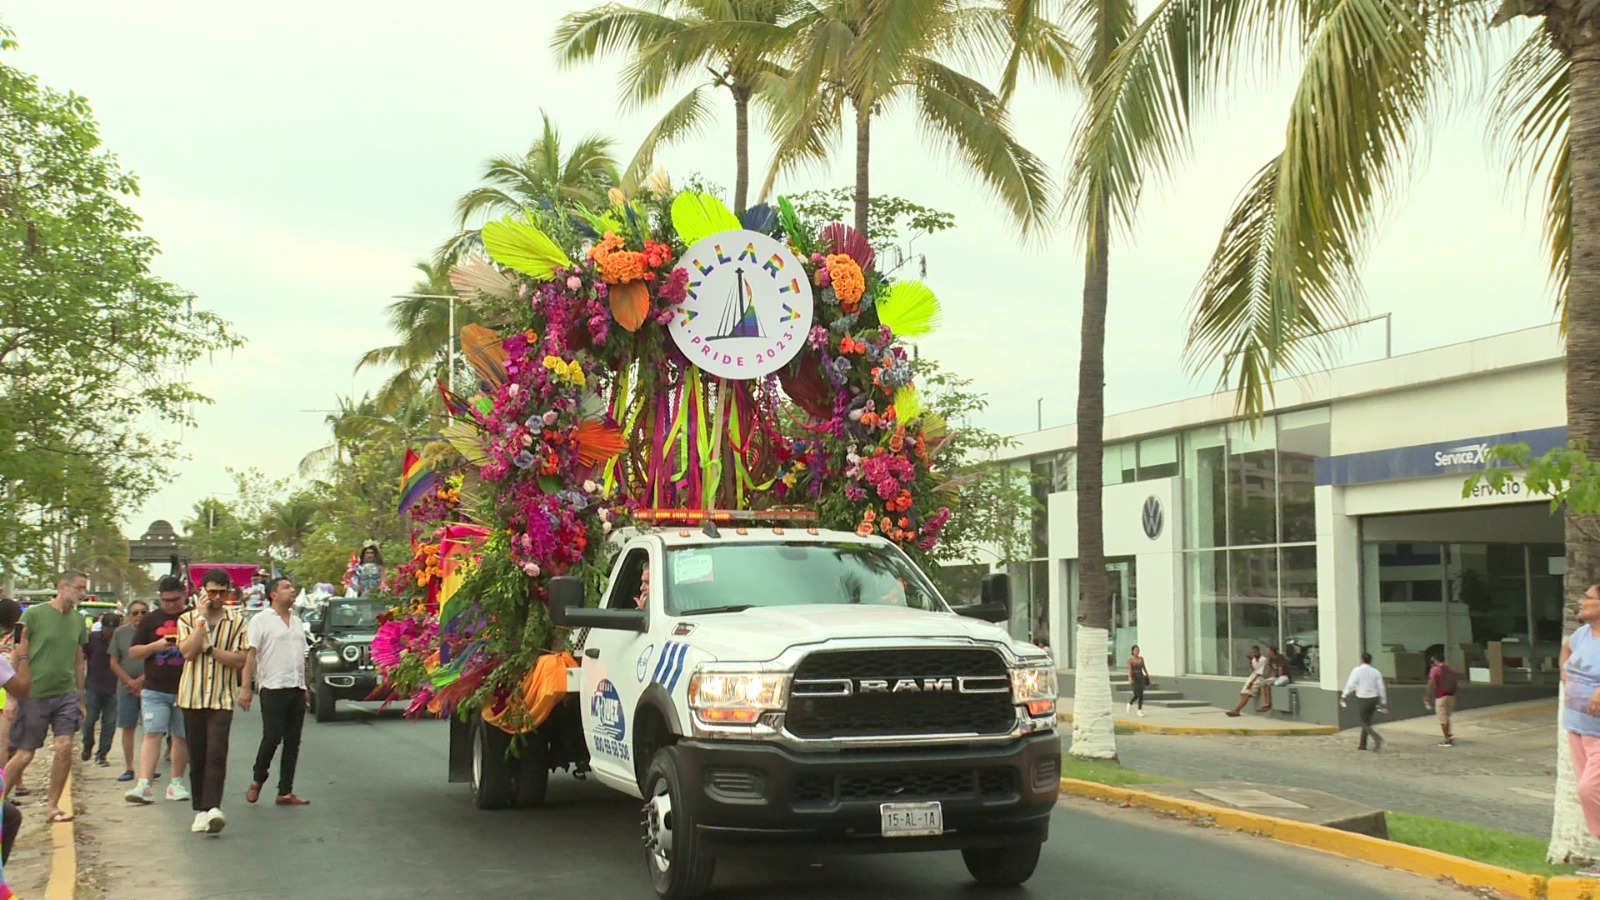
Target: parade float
(686, 358)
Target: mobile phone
(16, 632)
(171, 639)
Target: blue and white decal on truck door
(610, 729)
(669, 667)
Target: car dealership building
(1335, 525)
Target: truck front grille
(901, 692)
(987, 784)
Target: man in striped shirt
(214, 646)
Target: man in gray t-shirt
(130, 681)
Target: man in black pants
(277, 659)
(1366, 682)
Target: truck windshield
(740, 576)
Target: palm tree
(421, 318)
(871, 54)
(1375, 75)
(290, 522)
(734, 41)
(542, 181)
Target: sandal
(57, 817)
(21, 791)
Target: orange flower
(848, 283)
(617, 266)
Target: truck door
(616, 665)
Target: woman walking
(1139, 677)
(1580, 669)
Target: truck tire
(533, 772)
(322, 703)
(680, 869)
(1002, 866)
(491, 771)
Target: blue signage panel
(1427, 460)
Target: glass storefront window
(1297, 576)
(1253, 600)
(1207, 577)
(1484, 606)
(1066, 631)
(1303, 438)
(1039, 603)
(1121, 464)
(1042, 470)
(1066, 472)
(1205, 487)
(1252, 485)
(1158, 457)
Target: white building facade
(1335, 525)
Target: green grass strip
(1486, 845)
(1107, 771)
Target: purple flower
(523, 460)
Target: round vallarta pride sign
(748, 309)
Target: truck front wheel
(680, 868)
(1002, 866)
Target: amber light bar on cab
(724, 516)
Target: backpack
(1449, 679)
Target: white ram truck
(758, 686)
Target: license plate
(912, 819)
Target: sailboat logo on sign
(747, 310)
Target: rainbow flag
(416, 480)
(458, 548)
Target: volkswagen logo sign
(1151, 517)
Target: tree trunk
(741, 150)
(863, 154)
(1569, 837)
(1093, 729)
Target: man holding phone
(155, 641)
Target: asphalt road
(384, 823)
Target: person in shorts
(55, 633)
(155, 643)
(1443, 682)
(130, 681)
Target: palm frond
(1360, 110)
(611, 28)
(970, 120)
(1528, 116)
(684, 120)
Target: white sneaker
(1141, 713)
(215, 820)
(140, 794)
(177, 790)
(1129, 708)
(201, 823)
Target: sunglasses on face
(216, 592)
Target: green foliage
(93, 346)
(1492, 846)
(992, 503)
(888, 216)
(235, 529)
(1565, 475)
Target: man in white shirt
(277, 660)
(1367, 684)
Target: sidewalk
(1200, 720)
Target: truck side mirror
(995, 605)
(567, 609)
(320, 626)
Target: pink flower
(574, 282)
(550, 417)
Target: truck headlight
(1035, 688)
(736, 698)
(328, 659)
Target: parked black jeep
(339, 666)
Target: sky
(297, 158)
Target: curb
(63, 883)
(1360, 847)
(1151, 728)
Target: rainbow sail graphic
(739, 319)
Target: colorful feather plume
(841, 238)
(476, 277)
(486, 354)
(910, 309)
(598, 442)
